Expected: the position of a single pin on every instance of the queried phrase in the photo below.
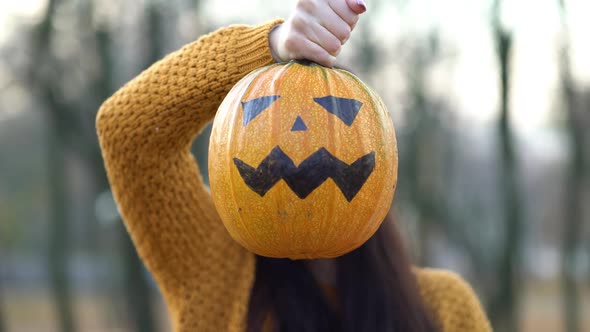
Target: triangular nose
(299, 125)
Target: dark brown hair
(376, 291)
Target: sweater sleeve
(453, 302)
(145, 131)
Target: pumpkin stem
(305, 62)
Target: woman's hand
(316, 30)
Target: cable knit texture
(146, 130)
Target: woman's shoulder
(452, 300)
(436, 283)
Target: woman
(209, 282)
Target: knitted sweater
(146, 130)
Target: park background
(491, 101)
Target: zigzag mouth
(310, 173)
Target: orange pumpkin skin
(276, 221)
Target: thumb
(357, 6)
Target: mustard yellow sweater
(146, 130)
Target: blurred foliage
(468, 198)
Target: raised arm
(146, 130)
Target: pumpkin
(302, 161)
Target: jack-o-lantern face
(302, 161)
(316, 168)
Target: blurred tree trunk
(416, 143)
(423, 143)
(139, 297)
(43, 81)
(138, 293)
(504, 305)
(574, 186)
(572, 222)
(58, 236)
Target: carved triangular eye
(254, 107)
(345, 109)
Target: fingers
(316, 30)
(303, 48)
(336, 25)
(335, 15)
(321, 35)
(347, 10)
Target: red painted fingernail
(362, 4)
